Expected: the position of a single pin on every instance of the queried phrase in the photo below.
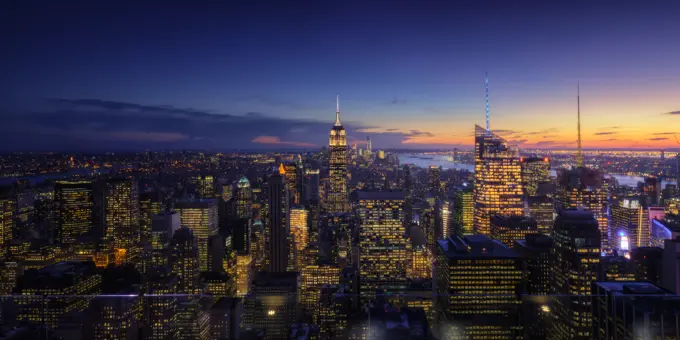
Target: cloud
(605, 133)
(517, 141)
(543, 132)
(608, 140)
(105, 125)
(672, 113)
(664, 133)
(397, 101)
(418, 133)
(506, 131)
(657, 138)
(277, 141)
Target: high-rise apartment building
(575, 265)
(311, 184)
(244, 199)
(206, 186)
(382, 243)
(163, 227)
(74, 202)
(298, 228)
(509, 229)
(201, 217)
(498, 180)
(477, 282)
(338, 198)
(648, 264)
(535, 170)
(278, 224)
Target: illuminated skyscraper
(542, 209)
(535, 170)
(184, 260)
(576, 260)
(244, 199)
(74, 203)
(6, 224)
(446, 211)
(278, 223)
(313, 278)
(201, 217)
(477, 281)
(463, 211)
(244, 273)
(509, 229)
(629, 224)
(122, 215)
(338, 198)
(584, 189)
(298, 227)
(292, 182)
(498, 180)
(382, 242)
(435, 181)
(163, 227)
(70, 286)
(206, 186)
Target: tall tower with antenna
(338, 194)
(488, 119)
(579, 152)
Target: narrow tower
(579, 154)
(337, 195)
(488, 119)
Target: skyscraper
(184, 260)
(337, 198)
(435, 174)
(292, 179)
(576, 260)
(298, 227)
(584, 189)
(498, 180)
(536, 316)
(463, 211)
(278, 223)
(6, 224)
(629, 224)
(201, 217)
(122, 216)
(535, 170)
(509, 229)
(477, 280)
(382, 243)
(311, 184)
(206, 186)
(74, 203)
(542, 209)
(272, 305)
(244, 198)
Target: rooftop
(475, 246)
(381, 195)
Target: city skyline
(411, 77)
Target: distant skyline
(242, 75)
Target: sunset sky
(252, 75)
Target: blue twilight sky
(262, 74)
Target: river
(424, 161)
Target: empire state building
(337, 195)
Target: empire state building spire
(337, 111)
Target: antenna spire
(488, 123)
(579, 152)
(337, 110)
